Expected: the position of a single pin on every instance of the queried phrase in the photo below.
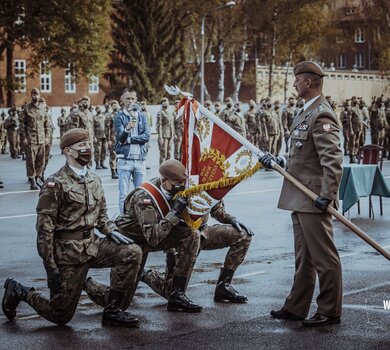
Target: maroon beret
(308, 67)
(73, 136)
(173, 170)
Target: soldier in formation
(11, 126)
(110, 136)
(100, 140)
(287, 119)
(179, 129)
(165, 130)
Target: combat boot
(38, 181)
(33, 184)
(352, 159)
(97, 165)
(102, 165)
(114, 175)
(224, 292)
(178, 301)
(113, 315)
(15, 292)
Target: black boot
(114, 175)
(352, 159)
(224, 292)
(178, 301)
(33, 184)
(38, 181)
(113, 315)
(97, 165)
(15, 292)
(102, 165)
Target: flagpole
(294, 181)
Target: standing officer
(61, 122)
(11, 126)
(280, 133)
(217, 107)
(235, 120)
(3, 135)
(228, 110)
(110, 136)
(287, 119)
(100, 141)
(71, 205)
(179, 129)
(35, 133)
(208, 104)
(165, 130)
(316, 161)
(381, 124)
(154, 220)
(252, 124)
(272, 122)
(355, 129)
(345, 120)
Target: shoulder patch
(326, 127)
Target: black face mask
(84, 156)
(291, 104)
(176, 189)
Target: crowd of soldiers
(266, 125)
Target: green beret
(308, 67)
(173, 170)
(73, 136)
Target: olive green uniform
(110, 137)
(11, 125)
(178, 139)
(252, 126)
(100, 140)
(165, 133)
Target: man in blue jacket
(132, 134)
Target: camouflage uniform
(235, 120)
(110, 136)
(225, 114)
(272, 122)
(280, 131)
(178, 139)
(69, 208)
(355, 131)
(217, 107)
(366, 122)
(61, 122)
(165, 132)
(381, 125)
(11, 125)
(345, 123)
(49, 144)
(100, 141)
(263, 140)
(3, 132)
(287, 119)
(143, 223)
(212, 237)
(252, 124)
(387, 143)
(35, 128)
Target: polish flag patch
(326, 127)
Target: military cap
(353, 98)
(291, 98)
(229, 99)
(208, 103)
(164, 99)
(276, 102)
(217, 104)
(309, 67)
(173, 170)
(114, 101)
(85, 98)
(73, 136)
(35, 90)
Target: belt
(85, 234)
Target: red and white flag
(215, 158)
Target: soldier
(235, 120)
(228, 110)
(208, 104)
(20, 148)
(355, 129)
(35, 133)
(179, 129)
(272, 122)
(71, 116)
(71, 204)
(252, 124)
(331, 102)
(110, 136)
(263, 140)
(153, 219)
(382, 125)
(280, 133)
(61, 122)
(287, 119)
(3, 135)
(217, 108)
(49, 144)
(315, 159)
(84, 118)
(366, 122)
(100, 141)
(165, 130)
(374, 122)
(345, 123)
(11, 125)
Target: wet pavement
(265, 277)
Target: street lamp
(227, 5)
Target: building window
(359, 60)
(359, 35)
(342, 61)
(45, 77)
(20, 75)
(93, 86)
(70, 81)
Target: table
(361, 180)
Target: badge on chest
(303, 127)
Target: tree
(58, 32)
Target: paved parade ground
(265, 277)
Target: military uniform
(252, 125)
(236, 121)
(35, 128)
(110, 137)
(225, 114)
(61, 122)
(355, 131)
(49, 144)
(315, 160)
(178, 139)
(287, 119)
(100, 140)
(380, 124)
(3, 134)
(272, 122)
(165, 133)
(11, 126)
(280, 130)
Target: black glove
(53, 281)
(119, 238)
(322, 203)
(179, 205)
(267, 158)
(239, 226)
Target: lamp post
(227, 5)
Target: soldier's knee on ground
(130, 253)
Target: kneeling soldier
(71, 204)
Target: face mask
(277, 107)
(291, 104)
(269, 105)
(83, 156)
(228, 105)
(176, 189)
